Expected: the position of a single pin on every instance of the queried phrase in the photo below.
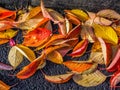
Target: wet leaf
(63, 78)
(55, 57)
(108, 13)
(37, 37)
(80, 66)
(15, 57)
(89, 80)
(8, 34)
(5, 66)
(4, 86)
(25, 51)
(82, 15)
(107, 33)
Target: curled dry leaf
(37, 37)
(4, 86)
(15, 57)
(63, 78)
(82, 15)
(106, 32)
(89, 80)
(81, 66)
(55, 57)
(5, 66)
(80, 48)
(108, 13)
(8, 34)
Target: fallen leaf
(25, 51)
(82, 15)
(58, 78)
(8, 34)
(4, 86)
(55, 57)
(3, 41)
(15, 57)
(107, 33)
(5, 66)
(108, 13)
(89, 80)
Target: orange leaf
(37, 37)
(31, 68)
(4, 86)
(52, 39)
(3, 41)
(78, 66)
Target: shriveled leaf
(80, 66)
(89, 80)
(8, 34)
(97, 57)
(80, 48)
(37, 37)
(3, 41)
(5, 66)
(106, 32)
(15, 57)
(55, 57)
(4, 86)
(62, 28)
(68, 25)
(63, 78)
(42, 65)
(25, 51)
(108, 13)
(31, 68)
(82, 15)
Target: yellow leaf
(8, 34)
(55, 57)
(27, 52)
(83, 16)
(106, 32)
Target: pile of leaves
(77, 29)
